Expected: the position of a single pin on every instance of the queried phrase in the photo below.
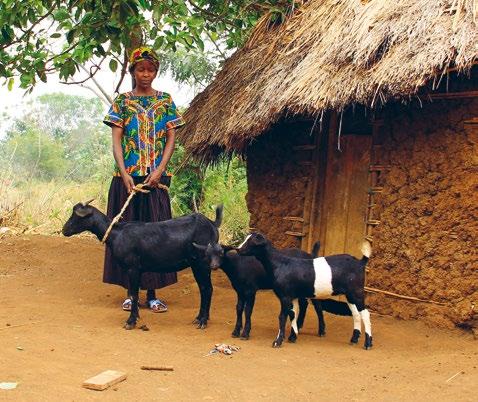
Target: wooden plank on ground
(104, 380)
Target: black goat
(153, 247)
(247, 276)
(320, 278)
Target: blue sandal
(157, 306)
(127, 304)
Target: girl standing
(143, 124)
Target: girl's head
(144, 65)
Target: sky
(13, 102)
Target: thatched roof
(329, 54)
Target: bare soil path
(59, 325)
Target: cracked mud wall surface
(426, 245)
(277, 181)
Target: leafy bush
(227, 184)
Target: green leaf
(158, 43)
(113, 65)
(200, 44)
(55, 35)
(61, 14)
(25, 80)
(41, 74)
(11, 81)
(70, 35)
(145, 4)
(196, 21)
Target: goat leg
(203, 279)
(239, 310)
(133, 290)
(250, 300)
(303, 304)
(294, 330)
(320, 316)
(284, 311)
(357, 322)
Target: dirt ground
(59, 325)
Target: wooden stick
(306, 147)
(374, 290)
(454, 95)
(453, 376)
(136, 189)
(159, 368)
(296, 234)
(293, 218)
(19, 325)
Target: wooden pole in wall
(410, 298)
(310, 206)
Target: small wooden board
(104, 380)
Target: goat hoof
(244, 337)
(292, 340)
(355, 336)
(129, 326)
(235, 334)
(368, 342)
(321, 334)
(201, 324)
(276, 344)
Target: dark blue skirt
(151, 207)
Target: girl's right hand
(128, 182)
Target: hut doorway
(338, 206)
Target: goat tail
(335, 307)
(366, 251)
(315, 249)
(218, 220)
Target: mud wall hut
(360, 119)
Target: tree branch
(102, 99)
(105, 94)
(224, 57)
(123, 71)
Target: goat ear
(83, 212)
(199, 247)
(232, 253)
(259, 239)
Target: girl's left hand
(153, 178)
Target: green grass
(35, 206)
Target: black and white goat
(319, 278)
(153, 247)
(247, 276)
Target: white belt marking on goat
(356, 316)
(244, 242)
(366, 321)
(323, 278)
(295, 309)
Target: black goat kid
(320, 278)
(247, 276)
(153, 247)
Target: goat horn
(88, 202)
